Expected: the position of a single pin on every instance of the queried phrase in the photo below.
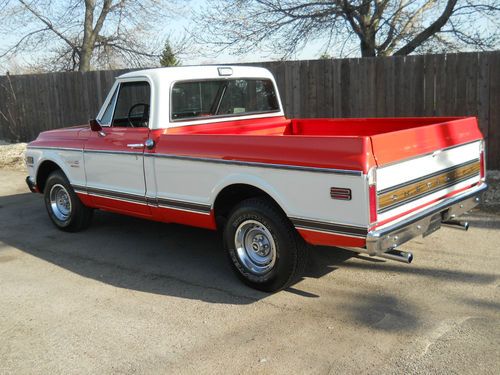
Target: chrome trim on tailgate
(379, 241)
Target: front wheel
(264, 248)
(64, 207)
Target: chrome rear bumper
(387, 238)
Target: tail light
(372, 194)
(482, 161)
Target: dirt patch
(12, 156)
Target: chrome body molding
(330, 228)
(379, 241)
(54, 148)
(140, 199)
(138, 153)
(258, 164)
(212, 160)
(182, 205)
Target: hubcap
(60, 202)
(255, 247)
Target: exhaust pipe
(464, 225)
(398, 255)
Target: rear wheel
(264, 248)
(64, 207)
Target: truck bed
(386, 140)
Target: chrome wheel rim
(60, 202)
(255, 247)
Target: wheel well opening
(44, 171)
(231, 195)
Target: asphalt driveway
(132, 296)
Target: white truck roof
(180, 73)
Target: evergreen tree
(168, 57)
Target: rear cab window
(193, 100)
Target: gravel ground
(131, 296)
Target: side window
(222, 98)
(132, 105)
(108, 113)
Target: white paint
(70, 161)
(299, 193)
(115, 172)
(405, 171)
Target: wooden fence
(429, 85)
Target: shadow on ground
(185, 262)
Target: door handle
(136, 145)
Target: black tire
(257, 222)
(77, 217)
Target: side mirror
(95, 126)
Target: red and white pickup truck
(210, 147)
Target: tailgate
(420, 166)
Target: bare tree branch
(379, 27)
(435, 27)
(85, 34)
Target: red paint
(406, 143)
(259, 126)
(330, 239)
(122, 207)
(422, 206)
(72, 137)
(117, 139)
(86, 200)
(161, 214)
(351, 144)
(170, 215)
(351, 153)
(372, 192)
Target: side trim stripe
(86, 151)
(259, 164)
(347, 172)
(353, 231)
(139, 199)
(54, 148)
(188, 206)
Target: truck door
(114, 157)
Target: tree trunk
(367, 50)
(85, 56)
(88, 37)
(367, 44)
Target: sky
(173, 27)
(311, 50)
(175, 24)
